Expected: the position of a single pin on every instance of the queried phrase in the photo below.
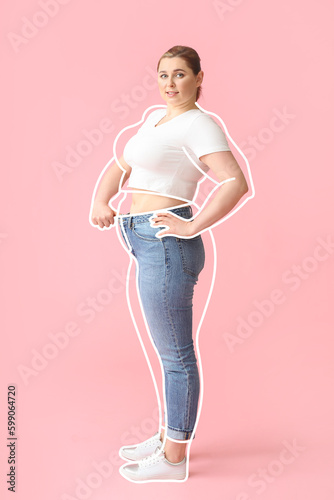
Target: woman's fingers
(103, 215)
(102, 221)
(162, 218)
(175, 225)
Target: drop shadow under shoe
(155, 468)
(138, 451)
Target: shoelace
(155, 458)
(149, 441)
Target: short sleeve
(205, 136)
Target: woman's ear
(200, 76)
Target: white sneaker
(141, 450)
(156, 467)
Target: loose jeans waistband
(185, 212)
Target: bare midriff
(147, 202)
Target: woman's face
(177, 82)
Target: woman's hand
(102, 214)
(176, 226)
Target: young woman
(165, 239)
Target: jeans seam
(179, 430)
(126, 239)
(184, 264)
(178, 351)
(167, 265)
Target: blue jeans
(167, 271)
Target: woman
(164, 162)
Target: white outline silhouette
(132, 258)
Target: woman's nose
(170, 82)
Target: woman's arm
(224, 166)
(102, 214)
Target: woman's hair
(190, 56)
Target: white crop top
(155, 153)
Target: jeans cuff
(181, 435)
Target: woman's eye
(177, 74)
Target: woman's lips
(171, 94)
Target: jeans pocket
(192, 255)
(145, 231)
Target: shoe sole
(169, 480)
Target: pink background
(91, 65)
